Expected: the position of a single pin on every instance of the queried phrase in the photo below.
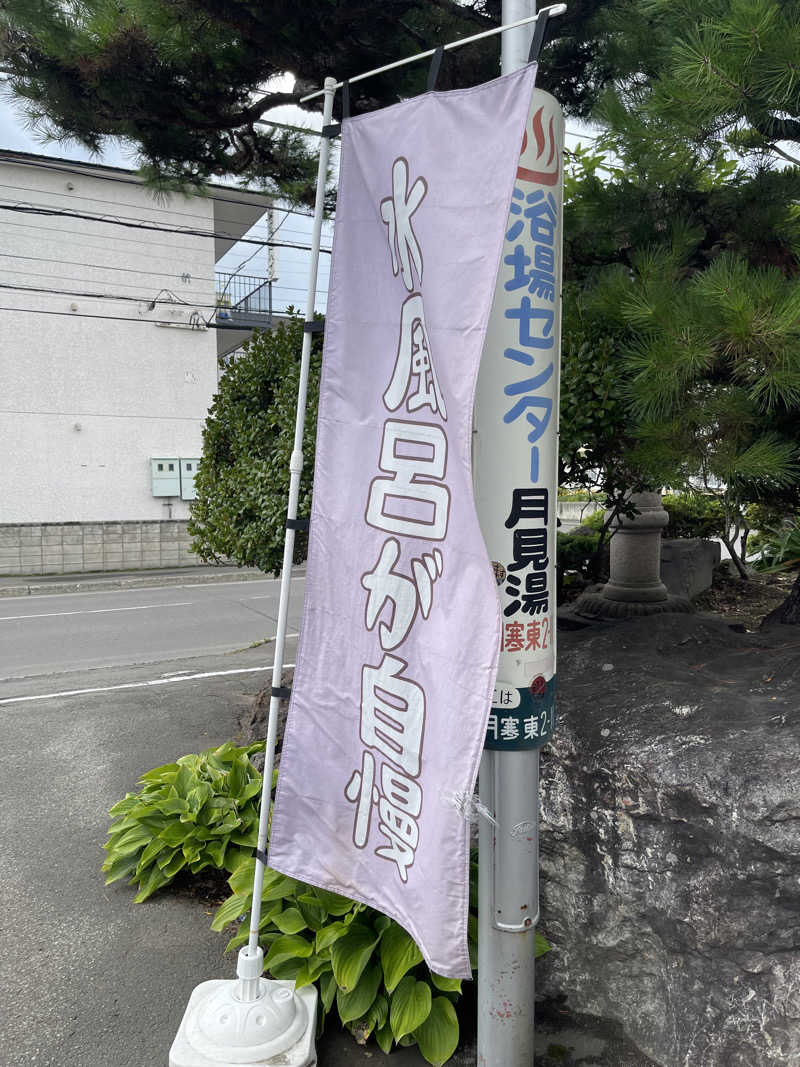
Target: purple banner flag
(401, 624)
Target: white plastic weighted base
(219, 1030)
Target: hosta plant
(202, 811)
(199, 812)
(366, 966)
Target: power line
(121, 297)
(154, 208)
(59, 165)
(146, 247)
(33, 209)
(120, 318)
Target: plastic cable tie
(297, 524)
(538, 35)
(433, 69)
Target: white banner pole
(515, 465)
(252, 1019)
(295, 468)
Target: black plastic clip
(283, 692)
(315, 326)
(538, 35)
(260, 855)
(297, 524)
(334, 129)
(433, 69)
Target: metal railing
(243, 294)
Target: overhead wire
(34, 209)
(119, 297)
(145, 294)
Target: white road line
(170, 585)
(94, 611)
(138, 685)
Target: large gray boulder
(670, 838)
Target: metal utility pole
(515, 476)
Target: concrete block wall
(76, 547)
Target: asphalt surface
(87, 704)
(55, 633)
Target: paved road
(65, 632)
(96, 689)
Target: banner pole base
(219, 1029)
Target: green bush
(575, 551)
(576, 495)
(196, 813)
(242, 481)
(693, 515)
(780, 547)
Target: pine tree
(693, 289)
(189, 81)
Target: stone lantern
(634, 586)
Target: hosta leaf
(155, 880)
(252, 789)
(437, 1036)
(410, 1005)
(175, 834)
(132, 840)
(349, 955)
(286, 969)
(542, 945)
(313, 911)
(185, 781)
(399, 953)
(215, 852)
(241, 881)
(166, 857)
(129, 801)
(174, 865)
(287, 947)
(290, 921)
(312, 968)
(173, 806)
(229, 911)
(238, 939)
(327, 990)
(119, 867)
(330, 933)
(358, 1001)
(276, 886)
(385, 1038)
(332, 902)
(447, 985)
(165, 773)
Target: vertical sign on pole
(515, 462)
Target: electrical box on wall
(188, 471)
(166, 476)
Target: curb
(101, 584)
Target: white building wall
(85, 402)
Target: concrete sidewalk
(47, 584)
